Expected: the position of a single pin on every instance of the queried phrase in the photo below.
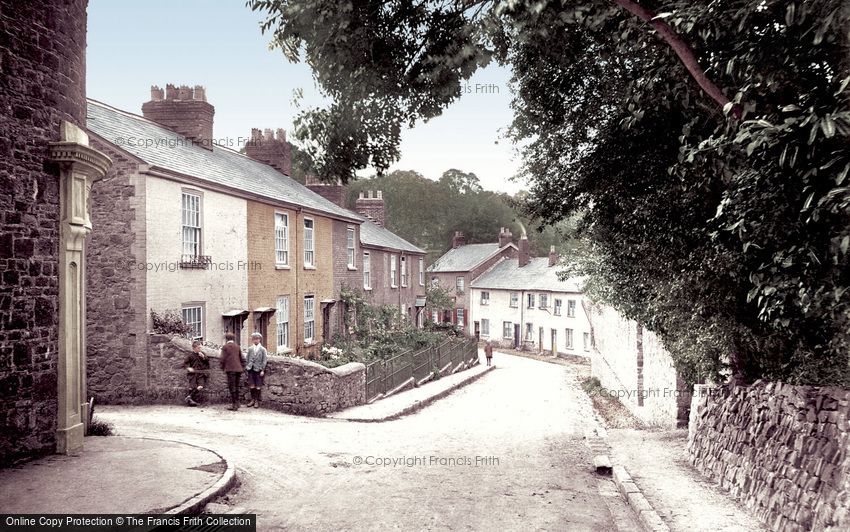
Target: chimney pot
(458, 240)
(184, 111)
(505, 237)
(524, 257)
(275, 152)
(371, 205)
(553, 256)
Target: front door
(554, 343)
(516, 336)
(540, 339)
(477, 332)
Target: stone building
(459, 266)
(226, 242)
(521, 303)
(388, 269)
(46, 171)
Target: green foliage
(724, 229)
(377, 333)
(169, 322)
(427, 212)
(99, 428)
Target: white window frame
(508, 330)
(192, 224)
(556, 310)
(461, 317)
(421, 271)
(485, 297)
(309, 319)
(530, 301)
(571, 308)
(309, 243)
(367, 271)
(544, 301)
(404, 271)
(281, 239)
(282, 317)
(568, 338)
(460, 284)
(514, 299)
(351, 236)
(485, 327)
(529, 332)
(188, 320)
(393, 271)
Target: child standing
(231, 363)
(256, 359)
(488, 352)
(197, 371)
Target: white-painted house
(521, 303)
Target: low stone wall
(781, 450)
(291, 385)
(633, 366)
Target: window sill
(352, 268)
(311, 343)
(393, 286)
(306, 267)
(282, 267)
(367, 288)
(284, 351)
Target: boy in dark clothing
(231, 363)
(197, 371)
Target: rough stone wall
(781, 450)
(633, 366)
(291, 385)
(42, 82)
(116, 307)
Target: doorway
(554, 343)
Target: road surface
(503, 453)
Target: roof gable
(465, 258)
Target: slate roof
(464, 258)
(168, 150)
(536, 275)
(375, 235)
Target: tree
(700, 147)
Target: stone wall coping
(340, 371)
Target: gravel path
(504, 453)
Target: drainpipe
(298, 263)
(521, 318)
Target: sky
(218, 44)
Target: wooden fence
(383, 376)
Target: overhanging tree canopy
(704, 144)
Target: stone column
(79, 166)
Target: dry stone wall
(781, 450)
(291, 385)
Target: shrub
(99, 428)
(169, 322)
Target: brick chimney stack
(271, 148)
(458, 240)
(505, 237)
(184, 110)
(524, 257)
(553, 256)
(371, 205)
(333, 192)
